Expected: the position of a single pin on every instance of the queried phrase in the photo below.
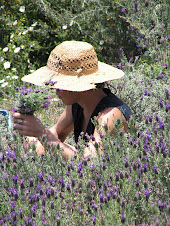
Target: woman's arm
(107, 118)
(29, 125)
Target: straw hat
(74, 66)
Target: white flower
(14, 77)
(15, 22)
(2, 81)
(101, 42)
(30, 28)
(11, 37)
(14, 69)
(2, 59)
(25, 32)
(7, 65)
(64, 27)
(22, 46)
(5, 49)
(32, 45)
(35, 24)
(4, 84)
(22, 9)
(17, 50)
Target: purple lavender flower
(94, 205)
(104, 166)
(124, 11)
(161, 205)
(68, 187)
(21, 212)
(137, 182)
(15, 178)
(48, 192)
(146, 92)
(117, 176)
(161, 125)
(147, 194)
(167, 107)
(72, 182)
(50, 180)
(13, 109)
(59, 90)
(161, 103)
(12, 204)
(31, 182)
(14, 215)
(123, 218)
(108, 195)
(52, 205)
(167, 93)
(101, 196)
(160, 75)
(94, 219)
(40, 176)
(145, 167)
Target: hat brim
(71, 82)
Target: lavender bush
(29, 100)
(129, 183)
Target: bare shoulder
(109, 116)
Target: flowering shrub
(129, 183)
(29, 100)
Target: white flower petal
(4, 84)
(2, 81)
(30, 28)
(11, 37)
(64, 27)
(15, 22)
(5, 49)
(14, 77)
(35, 24)
(22, 9)
(25, 32)
(7, 65)
(101, 42)
(2, 59)
(17, 50)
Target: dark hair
(100, 85)
(105, 84)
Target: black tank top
(108, 101)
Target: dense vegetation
(129, 184)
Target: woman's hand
(28, 125)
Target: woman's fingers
(28, 125)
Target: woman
(76, 74)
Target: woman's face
(67, 97)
